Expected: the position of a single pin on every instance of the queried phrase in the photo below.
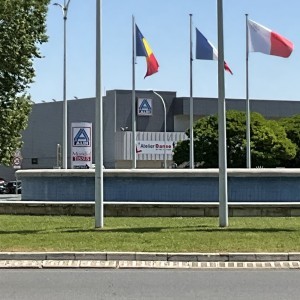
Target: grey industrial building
(44, 131)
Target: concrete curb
(147, 259)
(123, 264)
(152, 256)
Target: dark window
(34, 161)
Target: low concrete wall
(170, 185)
(149, 210)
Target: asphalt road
(149, 284)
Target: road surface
(149, 284)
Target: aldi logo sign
(81, 151)
(82, 136)
(144, 107)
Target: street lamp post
(165, 126)
(99, 188)
(65, 106)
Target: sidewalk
(143, 260)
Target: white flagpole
(65, 105)
(223, 203)
(248, 138)
(191, 98)
(99, 128)
(133, 146)
(65, 8)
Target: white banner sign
(154, 147)
(81, 150)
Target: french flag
(264, 40)
(205, 50)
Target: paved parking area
(10, 197)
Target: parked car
(3, 187)
(11, 186)
(2, 180)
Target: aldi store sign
(144, 107)
(81, 150)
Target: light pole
(165, 126)
(99, 188)
(192, 160)
(65, 107)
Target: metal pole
(165, 127)
(65, 107)
(248, 138)
(191, 99)
(133, 147)
(58, 156)
(99, 211)
(223, 205)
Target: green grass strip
(52, 233)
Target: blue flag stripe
(140, 47)
(204, 49)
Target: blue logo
(145, 107)
(81, 138)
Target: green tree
(292, 128)
(270, 146)
(236, 139)
(205, 144)
(22, 31)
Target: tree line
(274, 143)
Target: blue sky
(165, 25)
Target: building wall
(270, 109)
(182, 123)
(45, 127)
(109, 129)
(154, 123)
(44, 132)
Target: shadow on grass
(261, 230)
(79, 229)
(21, 231)
(200, 229)
(181, 229)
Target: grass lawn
(47, 233)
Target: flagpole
(223, 205)
(248, 147)
(65, 110)
(99, 213)
(191, 98)
(133, 146)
